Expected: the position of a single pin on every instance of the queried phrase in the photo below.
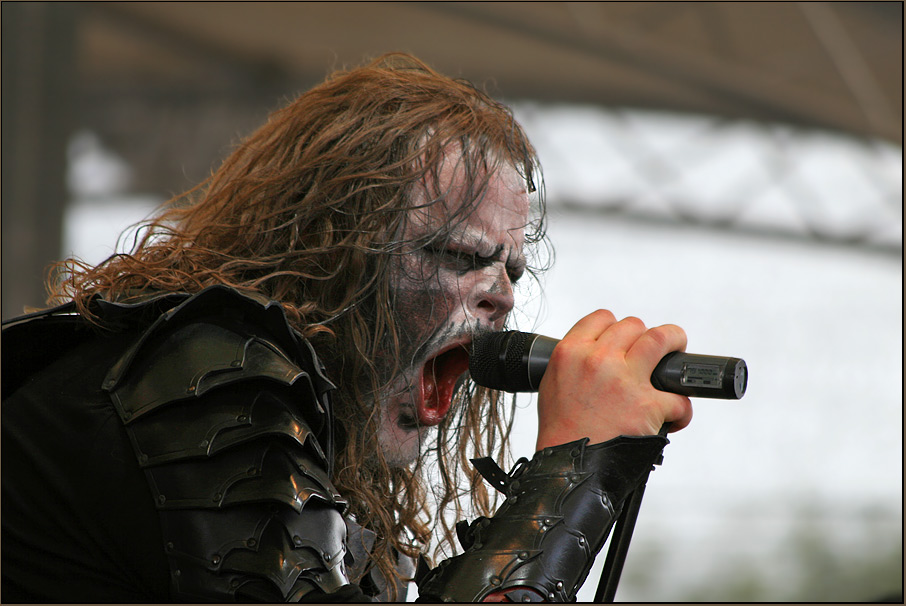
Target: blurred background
(732, 167)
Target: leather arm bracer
(559, 510)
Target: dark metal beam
(758, 92)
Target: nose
(492, 299)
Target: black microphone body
(515, 361)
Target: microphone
(515, 361)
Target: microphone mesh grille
(497, 360)
(484, 362)
(516, 371)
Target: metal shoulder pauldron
(228, 414)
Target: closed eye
(465, 261)
(459, 260)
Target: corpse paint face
(446, 291)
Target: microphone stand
(622, 535)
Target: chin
(403, 454)
(402, 446)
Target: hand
(598, 382)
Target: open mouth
(439, 377)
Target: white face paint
(444, 293)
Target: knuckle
(604, 314)
(658, 336)
(677, 331)
(634, 322)
(595, 359)
(563, 351)
(667, 336)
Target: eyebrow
(472, 240)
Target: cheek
(421, 308)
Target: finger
(591, 326)
(654, 344)
(621, 335)
(680, 413)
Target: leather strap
(542, 541)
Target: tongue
(439, 378)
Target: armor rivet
(251, 542)
(327, 557)
(127, 414)
(236, 363)
(559, 585)
(161, 499)
(191, 388)
(582, 542)
(170, 546)
(143, 458)
(252, 471)
(514, 499)
(547, 452)
(523, 555)
(515, 485)
(318, 578)
(215, 560)
(495, 580)
(297, 540)
(574, 478)
(234, 583)
(177, 572)
(204, 444)
(242, 418)
(485, 523)
(548, 521)
(550, 597)
(526, 598)
(217, 497)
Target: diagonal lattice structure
(775, 180)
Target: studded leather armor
(228, 416)
(541, 543)
(227, 413)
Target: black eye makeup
(459, 260)
(464, 261)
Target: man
(243, 407)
